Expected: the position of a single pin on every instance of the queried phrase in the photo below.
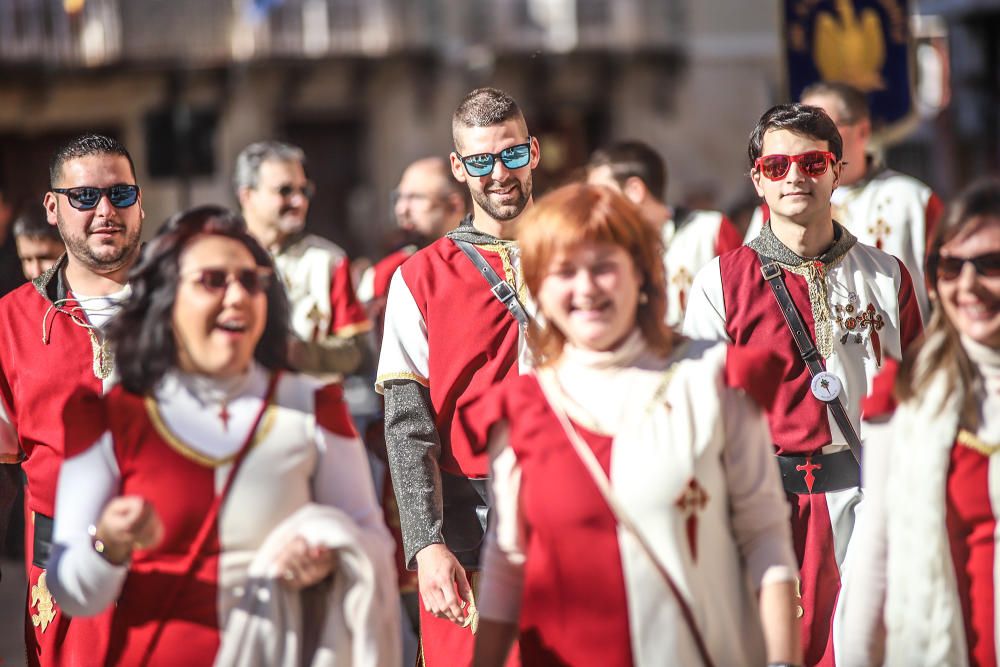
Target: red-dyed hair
(580, 213)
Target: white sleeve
(81, 580)
(404, 342)
(503, 553)
(757, 506)
(864, 585)
(705, 317)
(343, 480)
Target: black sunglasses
(87, 197)
(481, 164)
(254, 281)
(949, 268)
(307, 190)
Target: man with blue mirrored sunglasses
(449, 335)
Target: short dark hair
(484, 107)
(853, 102)
(84, 146)
(248, 162)
(142, 334)
(800, 119)
(31, 223)
(637, 159)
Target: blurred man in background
(329, 323)
(38, 243)
(690, 238)
(10, 267)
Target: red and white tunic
(891, 211)
(691, 240)
(317, 276)
(174, 450)
(46, 357)
(688, 455)
(926, 593)
(860, 310)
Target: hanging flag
(865, 43)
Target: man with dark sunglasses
(53, 347)
(329, 323)
(880, 206)
(452, 330)
(835, 309)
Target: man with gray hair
(454, 326)
(329, 323)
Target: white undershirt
(100, 309)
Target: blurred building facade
(365, 86)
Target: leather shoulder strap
(772, 273)
(502, 290)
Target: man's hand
(127, 523)
(443, 585)
(301, 565)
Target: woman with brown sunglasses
(231, 513)
(924, 592)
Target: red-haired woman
(925, 591)
(639, 514)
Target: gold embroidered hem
(190, 453)
(970, 440)
(349, 330)
(389, 377)
(41, 599)
(815, 274)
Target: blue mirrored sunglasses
(481, 164)
(86, 197)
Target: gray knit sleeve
(414, 446)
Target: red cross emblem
(691, 501)
(808, 468)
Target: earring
(643, 298)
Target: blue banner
(865, 43)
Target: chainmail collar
(51, 285)
(767, 244)
(466, 232)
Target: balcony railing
(218, 31)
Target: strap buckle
(771, 270)
(503, 291)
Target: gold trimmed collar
(192, 454)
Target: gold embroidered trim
(192, 454)
(508, 268)
(815, 274)
(970, 440)
(388, 377)
(9, 459)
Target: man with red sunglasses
(52, 347)
(835, 309)
(453, 331)
(880, 206)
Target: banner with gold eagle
(865, 43)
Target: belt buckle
(770, 271)
(503, 291)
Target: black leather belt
(464, 502)
(822, 473)
(42, 545)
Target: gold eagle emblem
(41, 598)
(850, 47)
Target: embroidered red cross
(691, 501)
(808, 468)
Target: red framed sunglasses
(813, 163)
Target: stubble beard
(107, 258)
(504, 212)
